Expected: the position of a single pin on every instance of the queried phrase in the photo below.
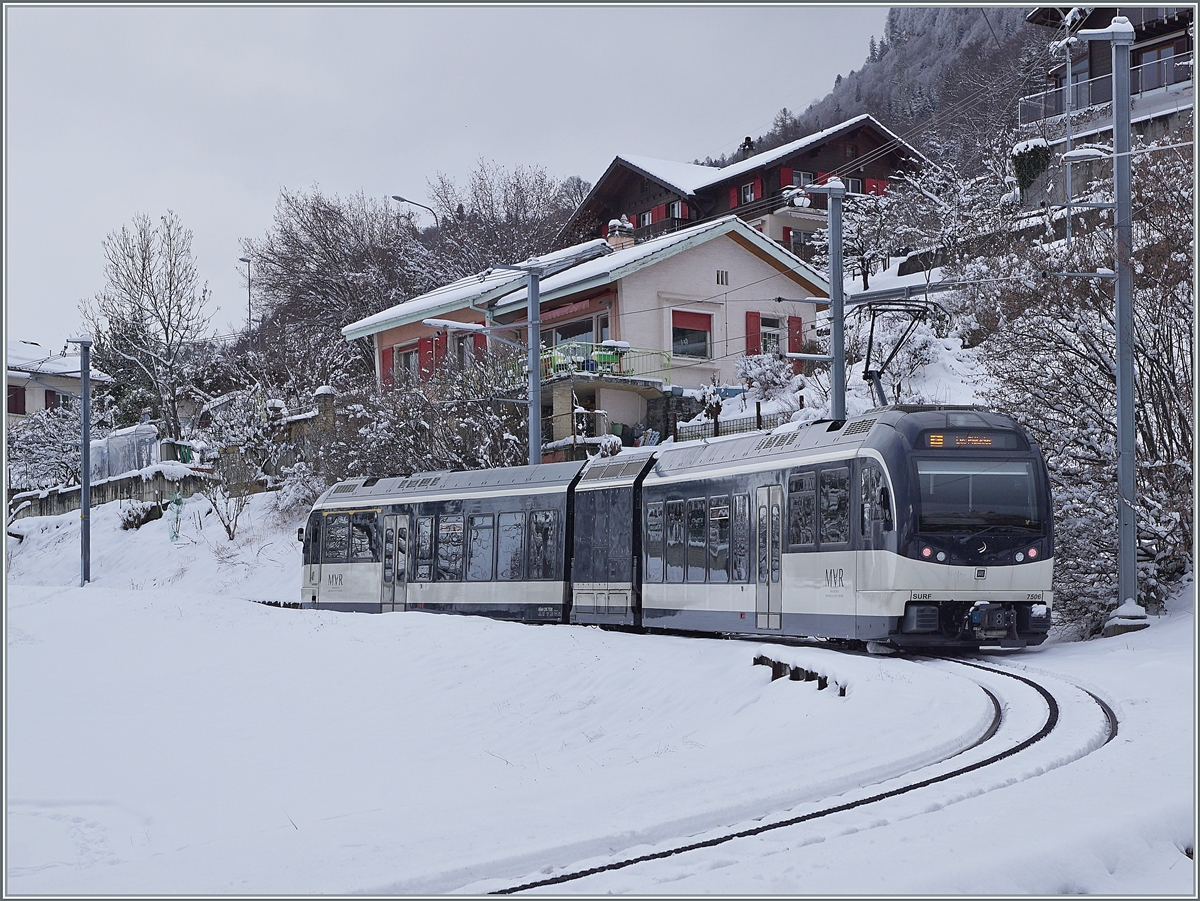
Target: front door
(395, 563)
(769, 524)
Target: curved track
(1050, 722)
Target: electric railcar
(917, 527)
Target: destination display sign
(960, 439)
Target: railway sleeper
(780, 670)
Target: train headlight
(926, 552)
(941, 555)
(1019, 556)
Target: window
(543, 543)
(312, 539)
(696, 532)
(450, 548)
(52, 400)
(722, 276)
(835, 505)
(876, 505)
(802, 508)
(957, 494)
(690, 333)
(854, 186)
(510, 548)
(675, 546)
(675, 210)
(480, 541)
(364, 538)
(718, 539)
(802, 179)
(401, 549)
(741, 538)
(337, 538)
(408, 361)
(851, 151)
(770, 335)
(602, 332)
(16, 399)
(748, 192)
(464, 349)
(424, 571)
(646, 218)
(654, 542)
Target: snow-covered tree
(43, 448)
(151, 310)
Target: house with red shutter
(38, 379)
(661, 196)
(628, 330)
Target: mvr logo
(835, 578)
(335, 580)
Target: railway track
(1026, 714)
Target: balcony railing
(613, 359)
(662, 227)
(1143, 79)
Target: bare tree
(151, 309)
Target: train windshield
(957, 494)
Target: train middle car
(918, 527)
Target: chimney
(620, 233)
(747, 148)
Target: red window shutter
(440, 342)
(787, 235)
(733, 197)
(683, 211)
(604, 230)
(758, 191)
(795, 340)
(822, 177)
(425, 355)
(785, 177)
(699, 321)
(16, 399)
(480, 344)
(753, 333)
(387, 367)
(877, 186)
(51, 399)
(660, 212)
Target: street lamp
(422, 206)
(249, 320)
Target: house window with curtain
(801, 179)
(771, 335)
(645, 218)
(691, 334)
(748, 193)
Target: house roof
(27, 358)
(472, 290)
(615, 266)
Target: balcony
(611, 358)
(657, 229)
(1148, 79)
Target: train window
(697, 522)
(389, 554)
(543, 539)
(336, 548)
(424, 572)
(675, 546)
(835, 505)
(654, 542)
(450, 548)
(364, 538)
(741, 538)
(480, 544)
(802, 508)
(776, 524)
(312, 539)
(718, 539)
(876, 507)
(510, 546)
(620, 535)
(402, 549)
(762, 544)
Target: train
(908, 528)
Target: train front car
(974, 541)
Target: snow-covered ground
(165, 735)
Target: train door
(769, 525)
(395, 563)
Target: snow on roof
(28, 357)
(473, 289)
(624, 262)
(688, 178)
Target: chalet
(627, 327)
(38, 379)
(660, 196)
(1160, 83)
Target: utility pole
(1120, 34)
(85, 482)
(835, 190)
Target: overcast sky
(210, 111)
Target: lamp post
(436, 221)
(85, 481)
(249, 320)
